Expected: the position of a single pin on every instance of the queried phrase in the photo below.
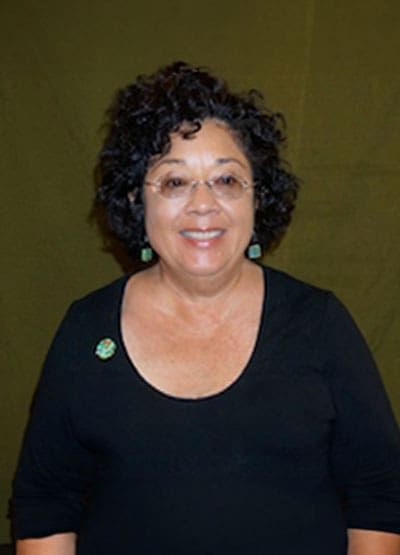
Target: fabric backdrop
(330, 66)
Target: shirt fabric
(302, 446)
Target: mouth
(202, 235)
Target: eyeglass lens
(225, 186)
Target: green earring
(254, 251)
(146, 254)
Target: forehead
(213, 142)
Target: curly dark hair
(140, 122)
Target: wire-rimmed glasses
(225, 186)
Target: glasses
(226, 186)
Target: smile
(202, 235)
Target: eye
(172, 186)
(173, 182)
(228, 186)
(227, 180)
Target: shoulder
(315, 315)
(303, 313)
(88, 320)
(100, 303)
(321, 305)
(103, 295)
(286, 290)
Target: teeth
(202, 235)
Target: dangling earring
(146, 253)
(254, 249)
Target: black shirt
(302, 446)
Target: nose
(202, 199)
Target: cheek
(248, 223)
(158, 218)
(245, 216)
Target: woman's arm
(55, 469)
(57, 544)
(365, 448)
(371, 542)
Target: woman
(205, 404)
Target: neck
(211, 290)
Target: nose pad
(202, 197)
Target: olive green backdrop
(332, 66)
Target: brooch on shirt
(105, 348)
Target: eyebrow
(167, 161)
(219, 161)
(228, 160)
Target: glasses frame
(194, 183)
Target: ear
(131, 197)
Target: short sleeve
(365, 449)
(54, 469)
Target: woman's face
(201, 234)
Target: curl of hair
(140, 122)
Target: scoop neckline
(231, 388)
